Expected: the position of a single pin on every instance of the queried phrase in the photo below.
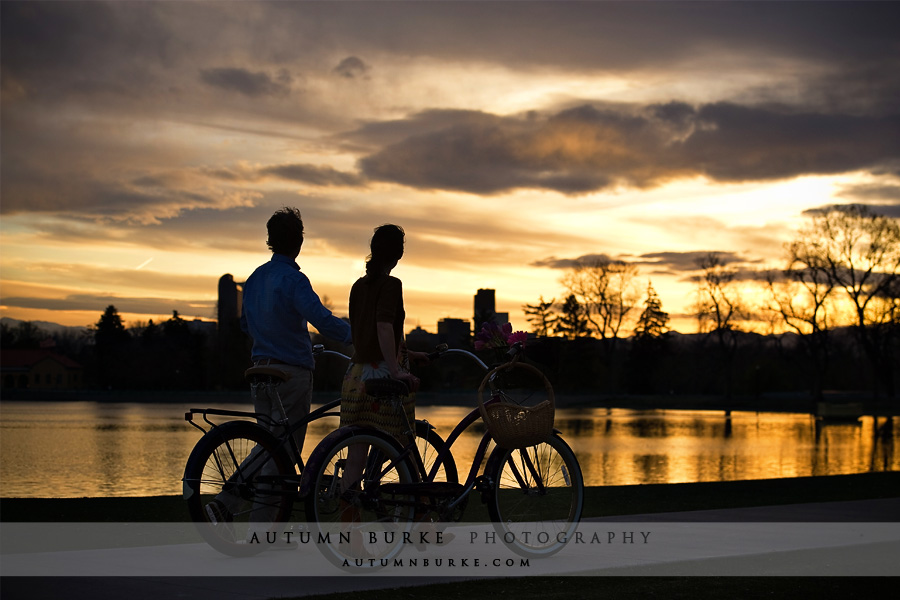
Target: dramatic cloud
(686, 261)
(569, 263)
(881, 198)
(891, 210)
(595, 147)
(663, 262)
(496, 134)
(352, 67)
(249, 83)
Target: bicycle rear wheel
(355, 521)
(536, 496)
(242, 466)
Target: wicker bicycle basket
(513, 425)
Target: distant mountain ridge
(45, 326)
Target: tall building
(231, 295)
(485, 302)
(486, 309)
(232, 349)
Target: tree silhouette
(649, 347)
(801, 298)
(606, 290)
(572, 322)
(654, 321)
(23, 335)
(541, 317)
(858, 252)
(719, 309)
(111, 342)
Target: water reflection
(107, 449)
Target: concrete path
(832, 538)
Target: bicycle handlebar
(439, 351)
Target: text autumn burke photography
(422, 538)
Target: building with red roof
(39, 369)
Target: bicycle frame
(519, 483)
(474, 415)
(466, 422)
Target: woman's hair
(285, 229)
(386, 248)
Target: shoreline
(798, 403)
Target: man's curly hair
(285, 231)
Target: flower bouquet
(498, 338)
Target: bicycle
(261, 471)
(536, 484)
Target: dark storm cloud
(553, 262)
(164, 61)
(591, 36)
(674, 262)
(595, 147)
(665, 263)
(690, 264)
(59, 51)
(352, 67)
(60, 43)
(881, 199)
(248, 83)
(891, 210)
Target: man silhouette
(278, 303)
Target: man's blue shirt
(278, 303)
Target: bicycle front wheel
(431, 445)
(536, 496)
(240, 467)
(357, 498)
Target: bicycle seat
(264, 371)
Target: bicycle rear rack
(205, 412)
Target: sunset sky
(145, 144)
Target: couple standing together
(279, 301)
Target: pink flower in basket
(493, 335)
(518, 336)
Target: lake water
(105, 449)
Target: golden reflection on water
(89, 449)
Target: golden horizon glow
(506, 145)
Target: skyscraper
(486, 310)
(230, 299)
